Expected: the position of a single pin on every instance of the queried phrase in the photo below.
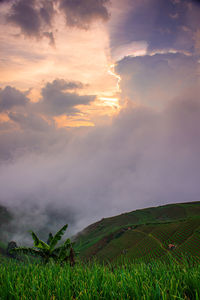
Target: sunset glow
(110, 101)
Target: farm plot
(164, 231)
(191, 247)
(146, 228)
(147, 247)
(154, 254)
(183, 232)
(120, 245)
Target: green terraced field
(119, 245)
(163, 233)
(144, 235)
(191, 246)
(141, 235)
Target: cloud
(82, 13)
(155, 79)
(51, 38)
(144, 158)
(24, 15)
(4, 1)
(162, 24)
(35, 18)
(61, 84)
(29, 126)
(28, 131)
(196, 1)
(29, 121)
(11, 97)
(57, 100)
(47, 11)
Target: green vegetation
(2, 245)
(93, 281)
(123, 257)
(143, 235)
(140, 235)
(5, 215)
(49, 250)
(5, 219)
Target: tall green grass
(156, 280)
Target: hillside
(5, 218)
(144, 234)
(5, 215)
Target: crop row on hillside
(191, 247)
(120, 246)
(162, 222)
(164, 231)
(150, 241)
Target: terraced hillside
(152, 233)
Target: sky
(99, 109)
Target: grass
(156, 280)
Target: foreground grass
(93, 281)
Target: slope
(144, 234)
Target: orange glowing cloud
(77, 55)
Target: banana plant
(49, 250)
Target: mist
(145, 157)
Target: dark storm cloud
(24, 15)
(57, 100)
(11, 97)
(196, 1)
(81, 13)
(35, 18)
(163, 24)
(6, 1)
(47, 11)
(153, 80)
